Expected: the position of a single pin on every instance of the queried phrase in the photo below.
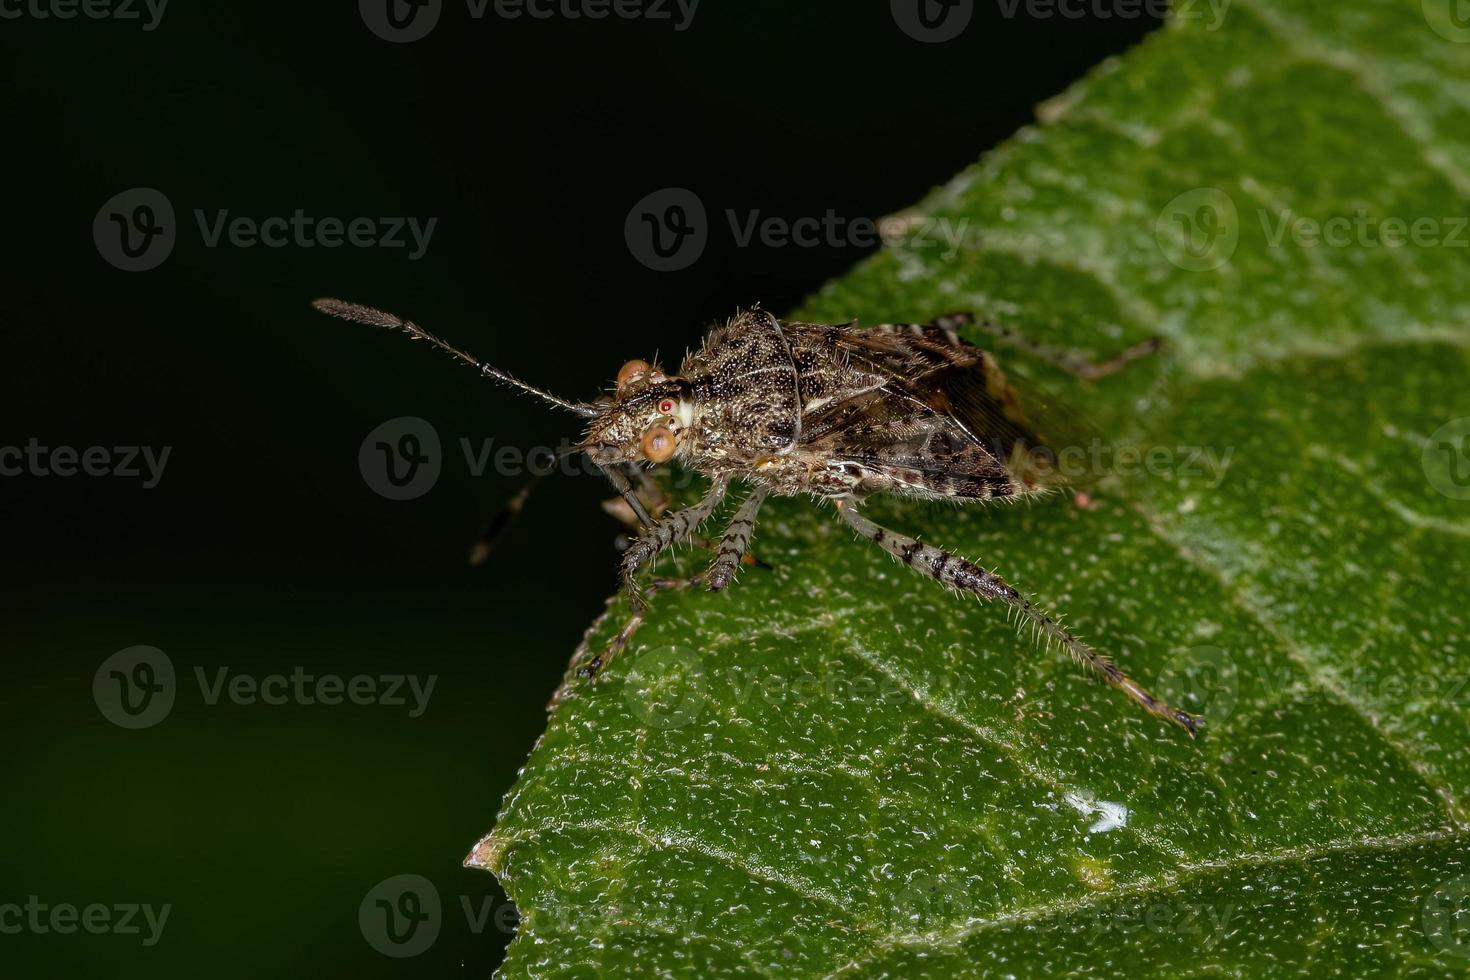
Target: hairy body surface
(831, 411)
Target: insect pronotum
(828, 411)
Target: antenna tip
(355, 312)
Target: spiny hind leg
(959, 573)
(735, 542)
(675, 527)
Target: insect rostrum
(835, 412)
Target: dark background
(263, 548)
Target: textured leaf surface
(839, 768)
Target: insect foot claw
(1190, 723)
(636, 557)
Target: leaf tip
(486, 854)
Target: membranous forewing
(928, 414)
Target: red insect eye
(666, 406)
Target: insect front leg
(673, 528)
(960, 573)
(594, 665)
(735, 541)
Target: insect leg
(650, 492)
(1071, 361)
(654, 500)
(736, 539)
(673, 528)
(594, 665)
(495, 527)
(959, 573)
(620, 483)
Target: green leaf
(837, 767)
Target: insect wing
(1030, 434)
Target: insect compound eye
(631, 372)
(658, 444)
(667, 406)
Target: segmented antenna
(357, 313)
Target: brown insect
(832, 411)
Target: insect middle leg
(959, 573)
(673, 528)
(735, 541)
(681, 524)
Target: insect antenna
(357, 313)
